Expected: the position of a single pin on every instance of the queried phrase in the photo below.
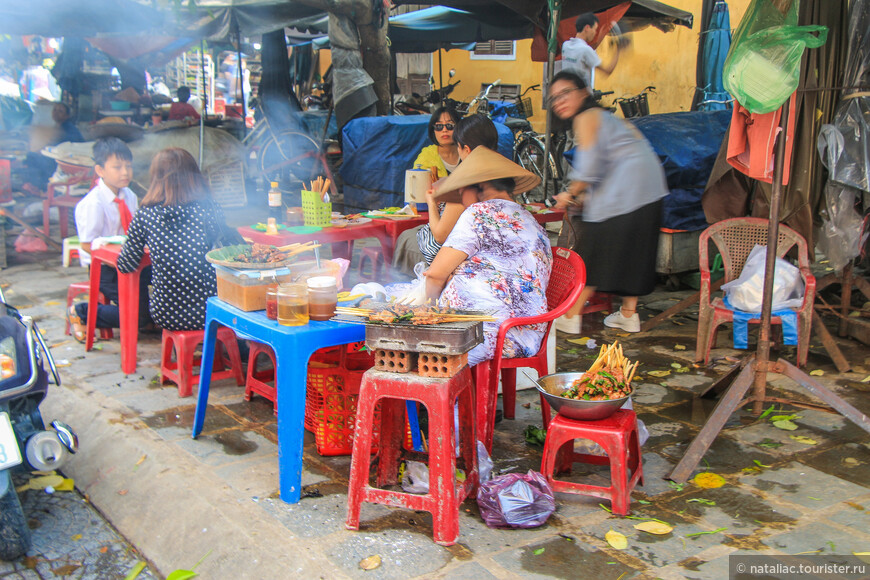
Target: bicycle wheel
(291, 156)
(529, 154)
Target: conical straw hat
(484, 165)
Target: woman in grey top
(617, 185)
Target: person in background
(40, 167)
(62, 115)
(107, 211)
(442, 154)
(578, 56)
(181, 110)
(497, 258)
(423, 242)
(613, 204)
(178, 223)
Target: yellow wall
(665, 60)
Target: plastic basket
(315, 211)
(334, 379)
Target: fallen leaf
(770, 443)
(68, 484)
(30, 562)
(866, 379)
(804, 440)
(785, 417)
(141, 460)
(370, 563)
(644, 502)
(52, 303)
(654, 528)
(861, 553)
(851, 462)
(759, 464)
(817, 373)
(709, 480)
(582, 341)
(701, 500)
(41, 482)
(676, 365)
(104, 549)
(659, 374)
(539, 551)
(182, 575)
(76, 537)
(616, 540)
(785, 425)
(679, 347)
(706, 533)
(122, 492)
(65, 570)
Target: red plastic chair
(183, 344)
(617, 435)
(567, 280)
(735, 238)
(66, 202)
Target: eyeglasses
(442, 126)
(560, 96)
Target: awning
(80, 18)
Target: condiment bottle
(276, 205)
(322, 297)
(272, 302)
(292, 304)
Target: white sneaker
(617, 320)
(569, 325)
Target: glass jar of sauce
(272, 302)
(292, 305)
(294, 217)
(322, 297)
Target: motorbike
(416, 104)
(25, 443)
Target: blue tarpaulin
(687, 145)
(377, 151)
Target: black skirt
(620, 253)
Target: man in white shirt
(104, 212)
(580, 57)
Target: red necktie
(126, 216)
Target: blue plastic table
(293, 345)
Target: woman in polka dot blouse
(179, 223)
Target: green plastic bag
(762, 68)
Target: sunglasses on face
(442, 126)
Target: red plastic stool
(617, 435)
(599, 301)
(376, 257)
(445, 493)
(258, 381)
(83, 288)
(183, 343)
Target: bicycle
(289, 155)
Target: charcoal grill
(449, 338)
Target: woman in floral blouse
(497, 258)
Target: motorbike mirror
(452, 73)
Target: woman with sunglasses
(423, 242)
(613, 204)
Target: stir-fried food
(608, 378)
(261, 254)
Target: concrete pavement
(177, 499)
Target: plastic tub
(246, 289)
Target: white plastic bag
(745, 292)
(416, 477)
(412, 293)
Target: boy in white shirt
(579, 56)
(104, 212)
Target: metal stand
(754, 373)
